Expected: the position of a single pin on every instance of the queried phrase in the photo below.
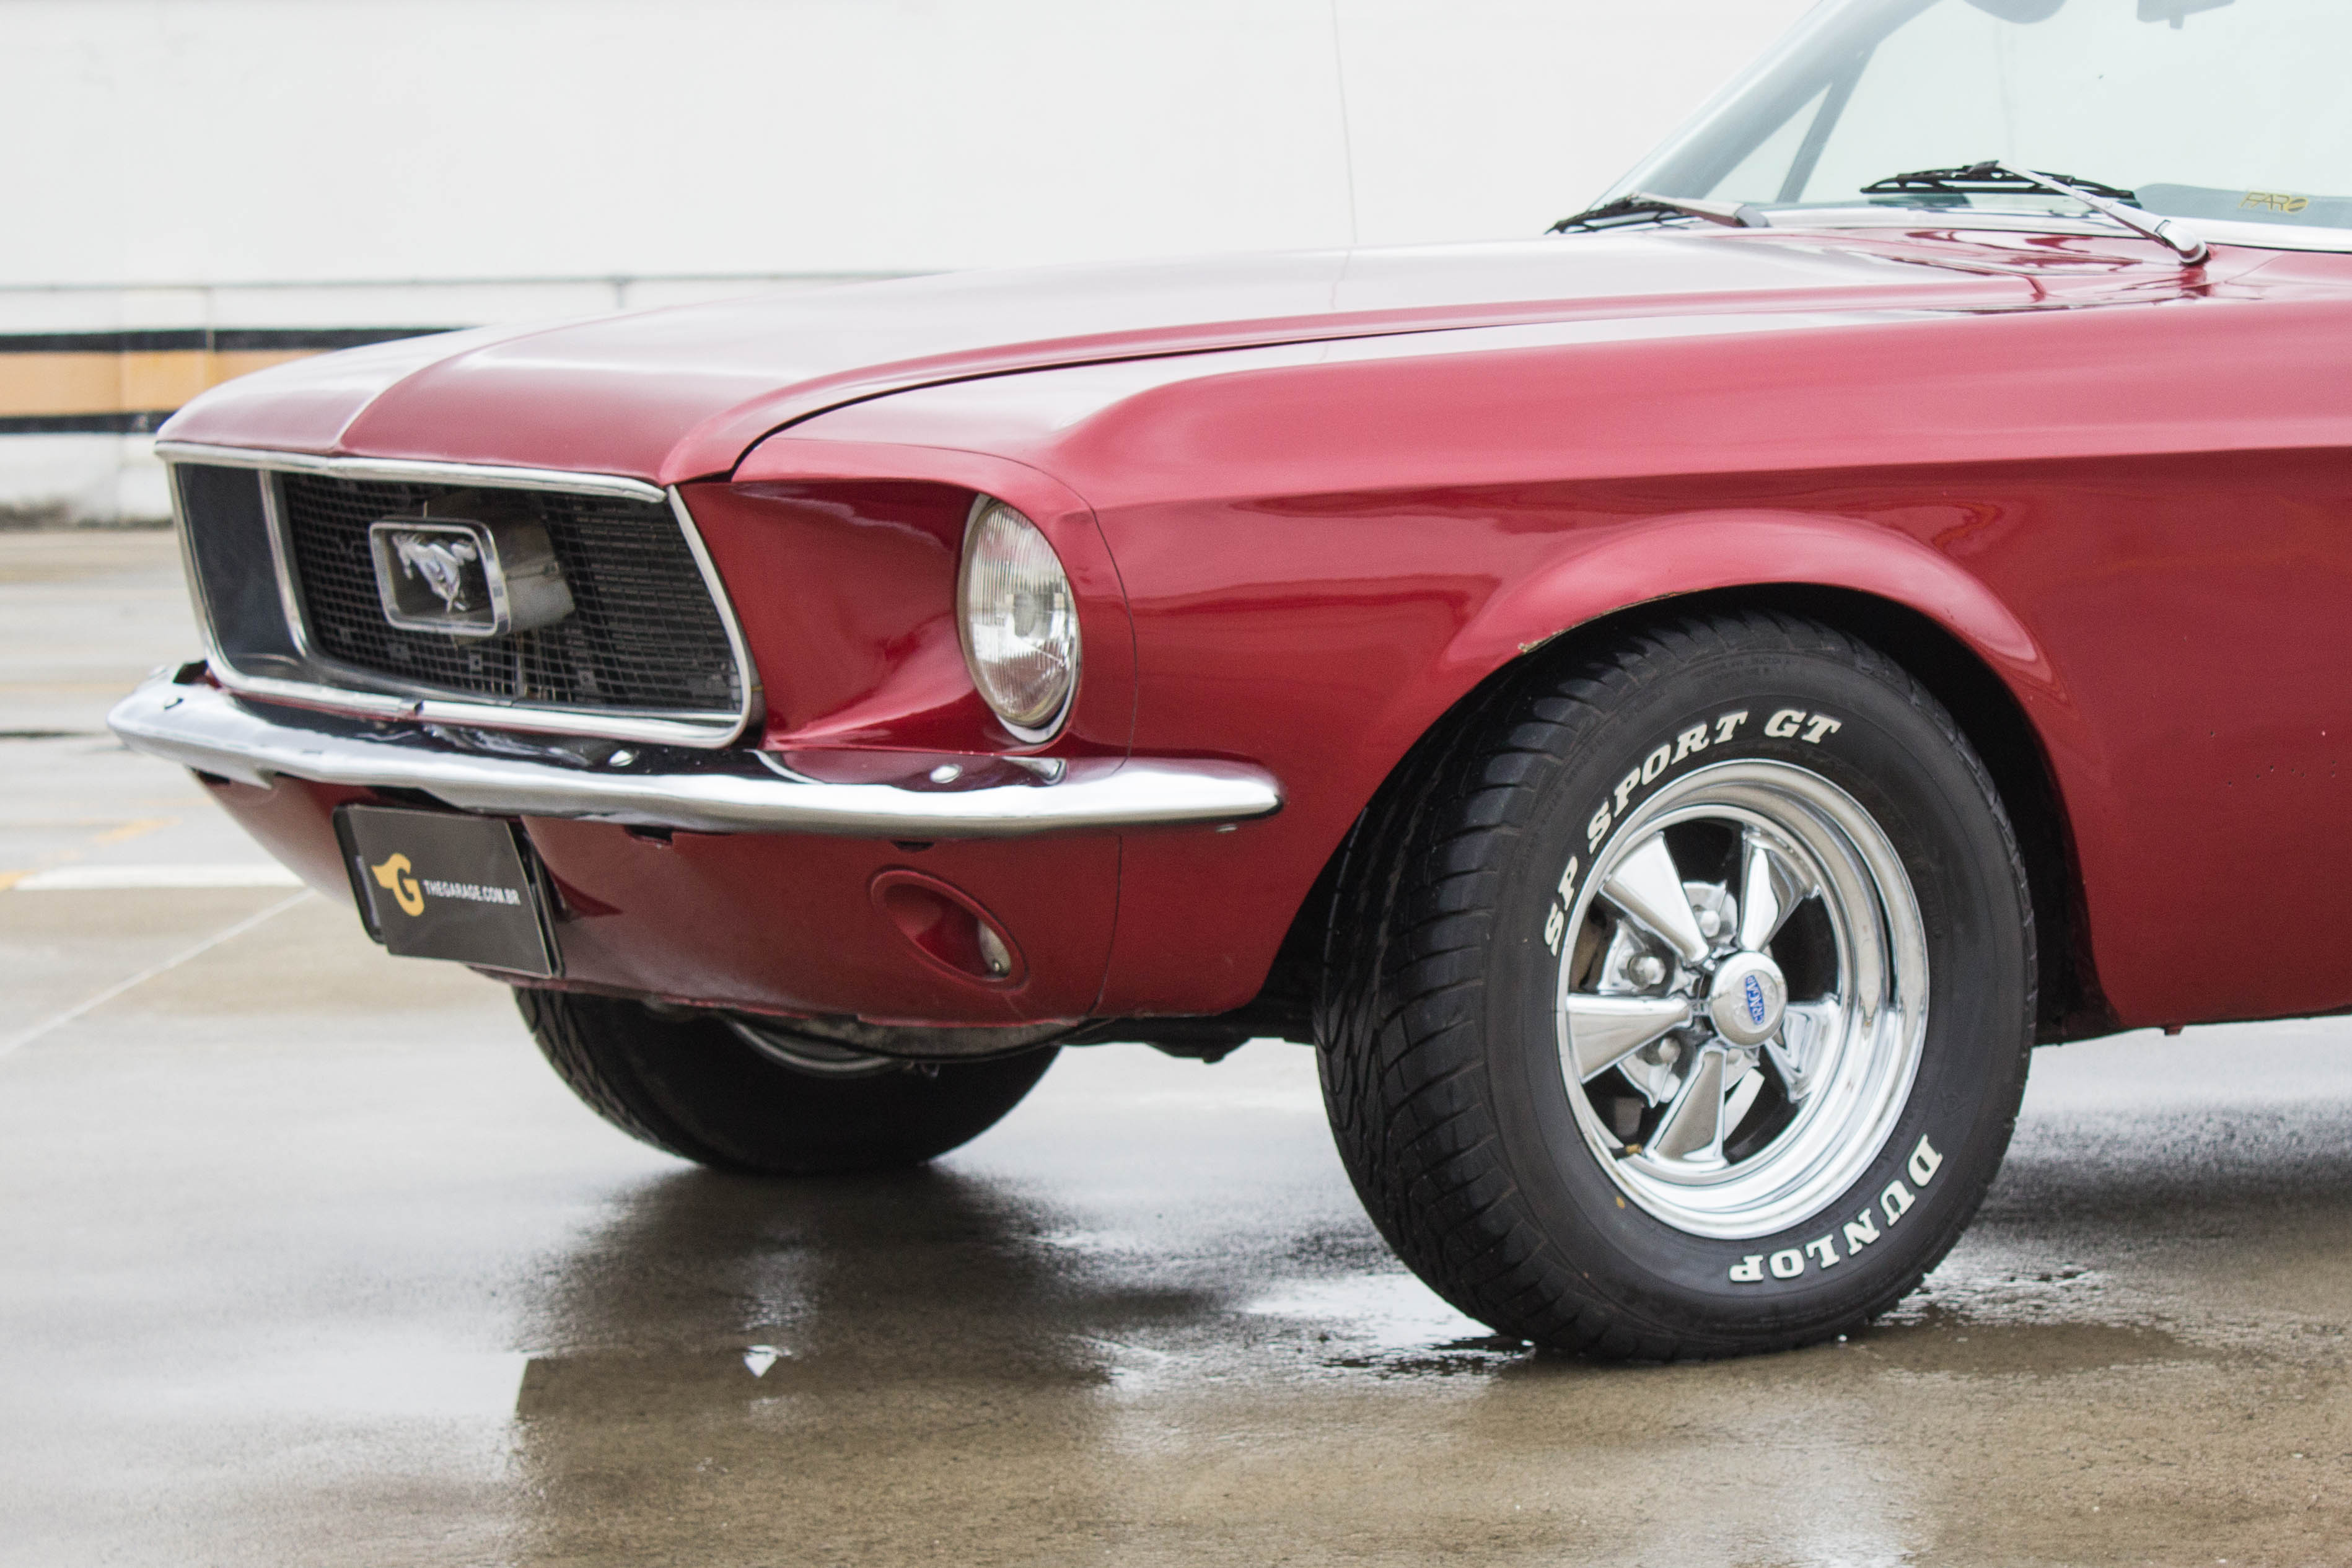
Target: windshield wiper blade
(1987, 178)
(1642, 207)
(1992, 175)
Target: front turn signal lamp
(1018, 621)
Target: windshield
(2233, 110)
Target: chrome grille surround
(644, 696)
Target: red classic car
(1672, 710)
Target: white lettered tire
(1678, 1000)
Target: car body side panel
(2132, 511)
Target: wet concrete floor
(305, 1258)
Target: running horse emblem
(441, 565)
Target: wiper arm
(2109, 201)
(1642, 207)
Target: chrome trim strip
(289, 595)
(201, 727)
(412, 470)
(683, 728)
(656, 730)
(747, 674)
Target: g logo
(392, 876)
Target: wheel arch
(2072, 1004)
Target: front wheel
(1682, 1004)
(765, 1099)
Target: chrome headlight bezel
(993, 530)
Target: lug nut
(1646, 970)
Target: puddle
(617, 1382)
(1934, 1338)
(620, 1383)
(1106, 1244)
(1389, 1324)
(1487, 1355)
(1375, 1312)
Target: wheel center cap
(1746, 999)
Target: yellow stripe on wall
(40, 384)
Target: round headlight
(1018, 621)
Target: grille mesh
(644, 635)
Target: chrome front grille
(279, 555)
(643, 636)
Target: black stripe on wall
(210, 340)
(141, 423)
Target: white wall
(164, 151)
(252, 141)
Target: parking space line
(59, 1020)
(50, 871)
(150, 878)
(134, 828)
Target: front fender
(1335, 754)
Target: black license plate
(433, 884)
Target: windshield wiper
(1993, 176)
(1642, 207)
(1987, 178)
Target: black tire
(1450, 1051)
(693, 1086)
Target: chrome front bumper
(181, 717)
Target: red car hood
(675, 394)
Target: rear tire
(756, 1101)
(1693, 1132)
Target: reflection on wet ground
(305, 1259)
(357, 1283)
(1170, 1348)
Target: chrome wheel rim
(1742, 998)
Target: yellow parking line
(132, 829)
